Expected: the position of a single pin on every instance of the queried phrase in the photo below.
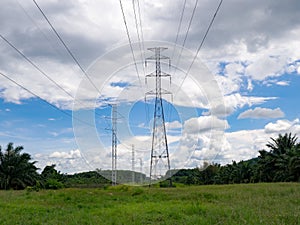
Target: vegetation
(259, 203)
(16, 170)
(262, 203)
(86, 180)
(280, 164)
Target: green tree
(51, 178)
(16, 169)
(282, 144)
(281, 163)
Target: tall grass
(274, 203)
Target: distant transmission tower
(160, 161)
(114, 144)
(141, 171)
(132, 164)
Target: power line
(39, 69)
(43, 73)
(141, 43)
(66, 47)
(143, 48)
(141, 27)
(137, 31)
(39, 28)
(186, 35)
(169, 109)
(201, 44)
(35, 66)
(130, 42)
(72, 55)
(36, 95)
(179, 27)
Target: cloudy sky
(242, 89)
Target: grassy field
(225, 204)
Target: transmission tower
(160, 161)
(114, 144)
(132, 164)
(141, 170)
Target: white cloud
(204, 123)
(260, 113)
(66, 155)
(227, 85)
(173, 125)
(245, 144)
(250, 85)
(262, 48)
(258, 44)
(237, 101)
(283, 83)
(283, 126)
(270, 82)
(266, 66)
(242, 145)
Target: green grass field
(276, 203)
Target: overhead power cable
(52, 105)
(179, 27)
(65, 45)
(130, 42)
(186, 34)
(140, 36)
(35, 66)
(72, 55)
(141, 27)
(201, 44)
(40, 70)
(138, 32)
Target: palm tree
(281, 163)
(282, 144)
(16, 170)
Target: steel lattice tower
(160, 161)
(114, 145)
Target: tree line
(18, 171)
(280, 163)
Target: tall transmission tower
(114, 144)
(160, 161)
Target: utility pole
(160, 161)
(114, 144)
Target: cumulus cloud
(228, 41)
(66, 155)
(236, 101)
(261, 113)
(173, 125)
(205, 123)
(283, 83)
(245, 144)
(283, 126)
(249, 51)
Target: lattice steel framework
(160, 161)
(114, 144)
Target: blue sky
(242, 89)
